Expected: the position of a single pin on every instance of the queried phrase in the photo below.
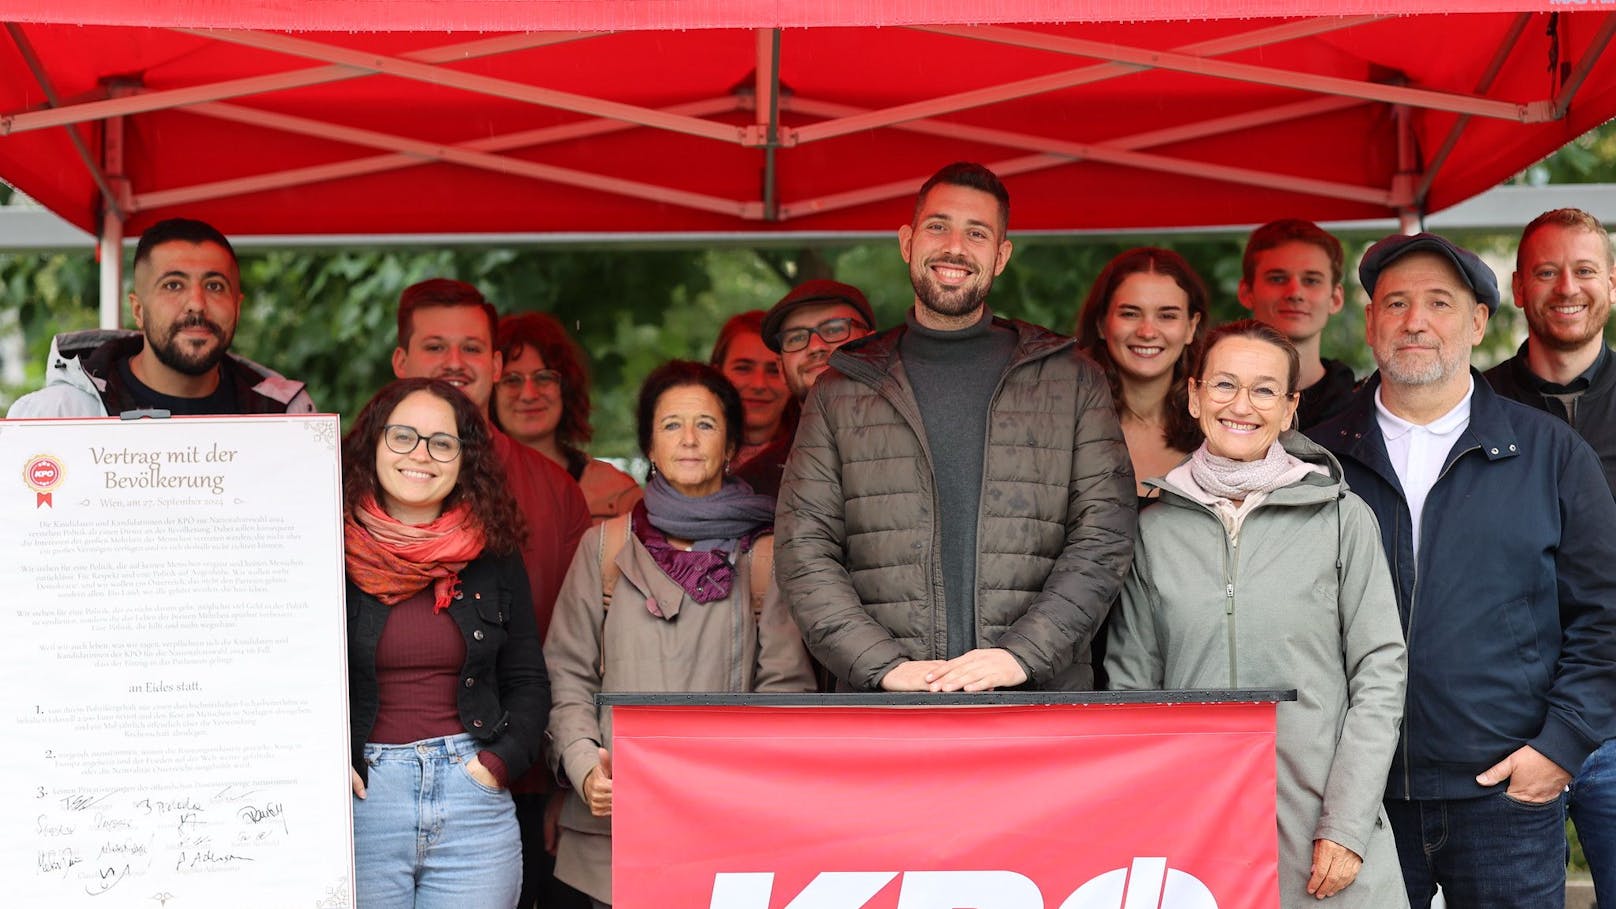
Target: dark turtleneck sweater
(954, 375)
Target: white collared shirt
(1418, 452)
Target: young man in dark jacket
(1565, 283)
(1291, 280)
(1495, 519)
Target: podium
(997, 800)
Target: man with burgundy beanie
(805, 328)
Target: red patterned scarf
(391, 560)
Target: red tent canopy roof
(657, 15)
(489, 116)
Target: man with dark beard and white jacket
(186, 298)
(958, 512)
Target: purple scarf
(723, 523)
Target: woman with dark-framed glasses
(1260, 569)
(448, 696)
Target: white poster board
(174, 665)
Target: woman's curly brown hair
(481, 484)
(1180, 430)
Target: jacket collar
(870, 359)
(1601, 383)
(1310, 489)
(99, 349)
(1355, 432)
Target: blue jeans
(429, 836)
(1491, 852)
(1593, 810)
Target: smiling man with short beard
(186, 297)
(1565, 282)
(980, 452)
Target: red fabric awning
(656, 15)
(408, 124)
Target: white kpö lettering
(830, 890)
(1147, 883)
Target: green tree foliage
(327, 317)
(1589, 158)
(41, 295)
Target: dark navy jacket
(504, 695)
(1510, 611)
(1596, 408)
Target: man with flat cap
(1495, 518)
(805, 328)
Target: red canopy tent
(445, 116)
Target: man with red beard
(446, 331)
(1565, 283)
(958, 511)
(186, 297)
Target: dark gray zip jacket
(857, 551)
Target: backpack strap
(613, 537)
(614, 533)
(762, 570)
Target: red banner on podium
(993, 807)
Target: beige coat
(717, 647)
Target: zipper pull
(1228, 606)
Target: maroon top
(418, 662)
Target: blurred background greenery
(325, 315)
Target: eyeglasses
(400, 439)
(542, 378)
(831, 331)
(1262, 396)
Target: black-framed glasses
(401, 439)
(831, 331)
(541, 378)
(1263, 395)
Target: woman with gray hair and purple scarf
(675, 596)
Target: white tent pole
(110, 252)
(1410, 211)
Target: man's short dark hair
(1290, 230)
(971, 176)
(440, 292)
(183, 230)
